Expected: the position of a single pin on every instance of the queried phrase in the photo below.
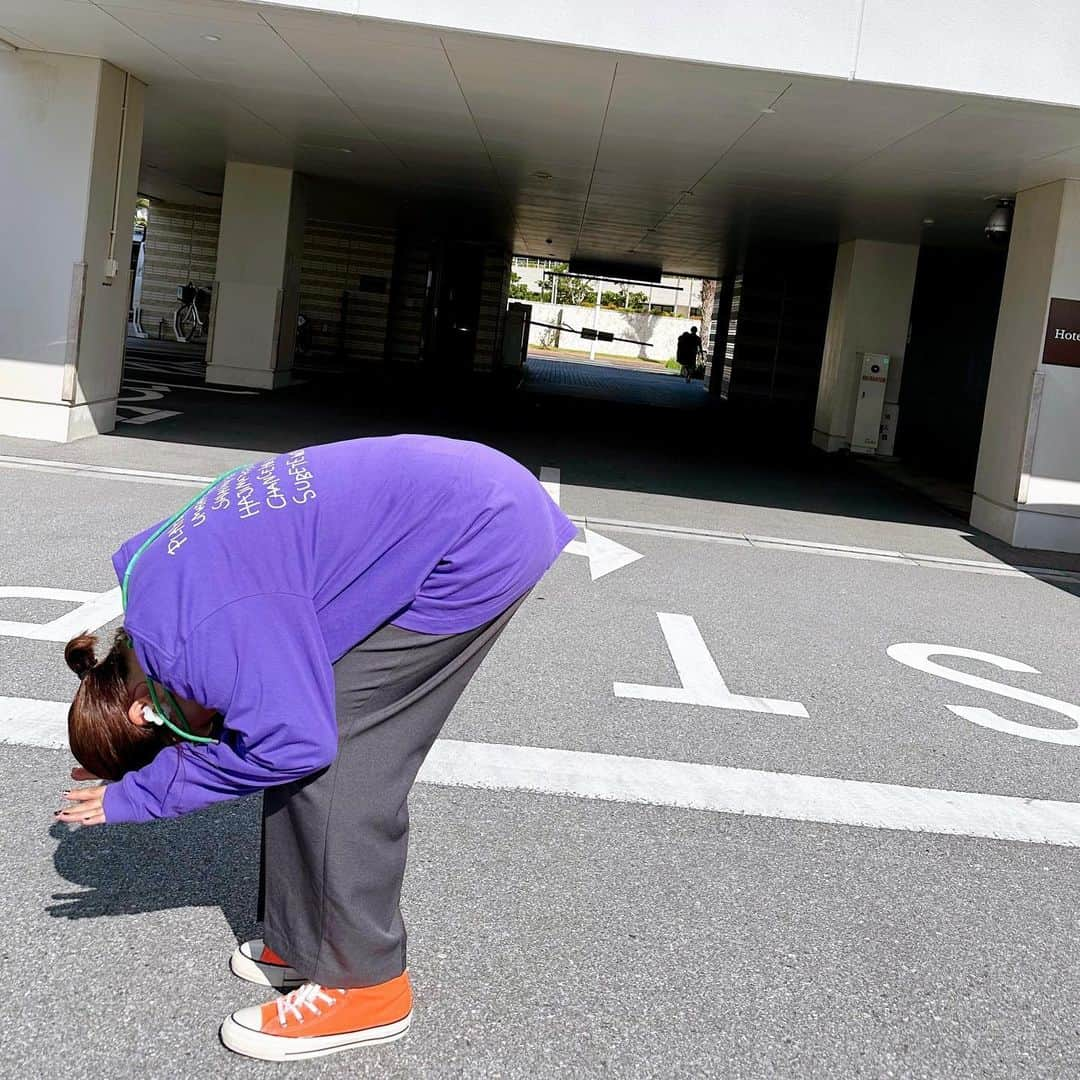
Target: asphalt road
(568, 936)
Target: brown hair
(102, 737)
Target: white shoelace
(304, 996)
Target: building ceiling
(578, 151)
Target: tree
(637, 301)
(518, 289)
(576, 291)
(708, 298)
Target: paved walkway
(571, 378)
(773, 774)
(631, 363)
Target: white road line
(155, 383)
(104, 472)
(752, 792)
(810, 547)
(145, 416)
(94, 609)
(551, 482)
(29, 722)
(846, 549)
(685, 785)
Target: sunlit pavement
(773, 775)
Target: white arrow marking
(702, 683)
(604, 555)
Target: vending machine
(873, 375)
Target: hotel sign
(1062, 345)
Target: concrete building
(832, 164)
(673, 295)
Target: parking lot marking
(158, 385)
(145, 416)
(550, 480)
(601, 550)
(605, 556)
(94, 610)
(917, 655)
(29, 722)
(103, 472)
(683, 785)
(702, 683)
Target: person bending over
(304, 627)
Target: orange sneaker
(315, 1020)
(256, 962)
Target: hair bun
(79, 654)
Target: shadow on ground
(201, 860)
(709, 452)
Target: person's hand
(88, 808)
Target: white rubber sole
(250, 970)
(257, 1044)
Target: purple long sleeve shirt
(247, 600)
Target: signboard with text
(1062, 345)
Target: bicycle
(192, 313)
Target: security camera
(999, 223)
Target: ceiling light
(211, 37)
(541, 175)
(928, 221)
(770, 111)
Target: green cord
(168, 523)
(188, 734)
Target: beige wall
(1027, 485)
(869, 312)
(62, 315)
(256, 292)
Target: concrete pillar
(1027, 485)
(869, 312)
(257, 289)
(72, 134)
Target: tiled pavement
(589, 380)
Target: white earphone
(151, 716)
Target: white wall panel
(998, 47)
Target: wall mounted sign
(1062, 345)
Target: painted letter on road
(917, 655)
(702, 683)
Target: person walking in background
(687, 352)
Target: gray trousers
(335, 842)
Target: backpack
(686, 350)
